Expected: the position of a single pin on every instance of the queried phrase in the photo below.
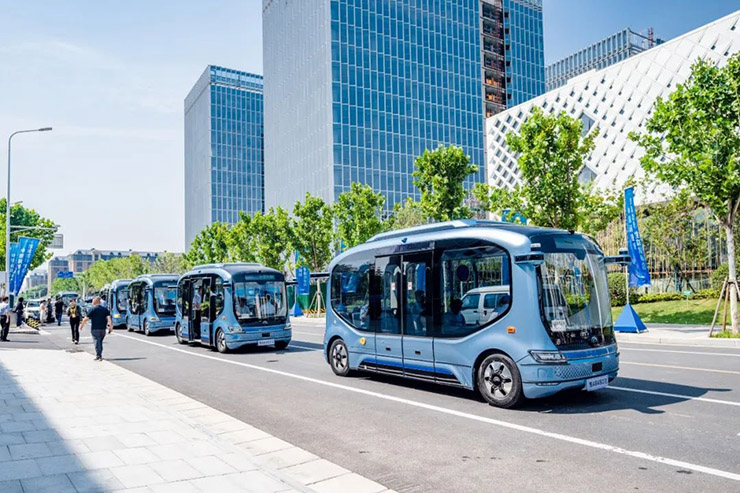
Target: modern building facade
(513, 52)
(81, 260)
(356, 90)
(616, 100)
(224, 165)
(610, 50)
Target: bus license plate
(597, 383)
(266, 342)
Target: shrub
(719, 275)
(617, 288)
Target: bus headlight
(548, 356)
(235, 329)
(117, 315)
(154, 319)
(288, 326)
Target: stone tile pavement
(69, 424)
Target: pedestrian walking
(4, 318)
(59, 310)
(100, 320)
(75, 315)
(19, 307)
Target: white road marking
(680, 367)
(677, 396)
(461, 414)
(736, 355)
(309, 334)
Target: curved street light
(7, 208)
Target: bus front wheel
(146, 328)
(128, 327)
(499, 381)
(178, 334)
(221, 342)
(279, 345)
(339, 358)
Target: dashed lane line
(473, 417)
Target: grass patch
(726, 334)
(698, 312)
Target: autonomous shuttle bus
(511, 311)
(115, 295)
(227, 306)
(151, 304)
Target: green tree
(170, 263)
(104, 271)
(358, 214)
(313, 232)
(439, 175)
(209, 246)
(20, 216)
(64, 284)
(263, 238)
(692, 141)
(406, 215)
(552, 151)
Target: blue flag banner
(303, 277)
(25, 250)
(14, 253)
(638, 269)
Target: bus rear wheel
(499, 381)
(221, 346)
(339, 358)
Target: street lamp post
(7, 209)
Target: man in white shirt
(4, 318)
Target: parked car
(32, 310)
(481, 305)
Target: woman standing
(19, 312)
(42, 312)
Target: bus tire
(339, 358)
(499, 381)
(145, 326)
(221, 346)
(280, 345)
(128, 327)
(178, 334)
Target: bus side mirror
(533, 258)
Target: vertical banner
(25, 250)
(303, 277)
(638, 269)
(13, 261)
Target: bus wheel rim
(339, 356)
(498, 380)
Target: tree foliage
(211, 245)
(168, 263)
(439, 176)
(357, 212)
(105, 271)
(313, 232)
(263, 238)
(21, 216)
(64, 284)
(406, 215)
(692, 142)
(552, 152)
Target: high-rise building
(615, 100)
(601, 54)
(356, 90)
(224, 165)
(513, 52)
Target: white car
(481, 305)
(32, 309)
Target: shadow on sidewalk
(39, 458)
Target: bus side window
(350, 290)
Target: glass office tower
(224, 165)
(356, 90)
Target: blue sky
(110, 77)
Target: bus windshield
(259, 297)
(574, 291)
(165, 296)
(122, 298)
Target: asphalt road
(670, 422)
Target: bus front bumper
(265, 337)
(161, 324)
(544, 379)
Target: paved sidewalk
(695, 335)
(70, 424)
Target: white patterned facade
(617, 100)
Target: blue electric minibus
(115, 295)
(510, 311)
(152, 299)
(228, 306)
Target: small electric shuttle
(115, 295)
(152, 299)
(228, 306)
(511, 311)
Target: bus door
(136, 303)
(388, 339)
(195, 288)
(418, 344)
(185, 304)
(205, 311)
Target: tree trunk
(732, 275)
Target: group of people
(5, 312)
(51, 310)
